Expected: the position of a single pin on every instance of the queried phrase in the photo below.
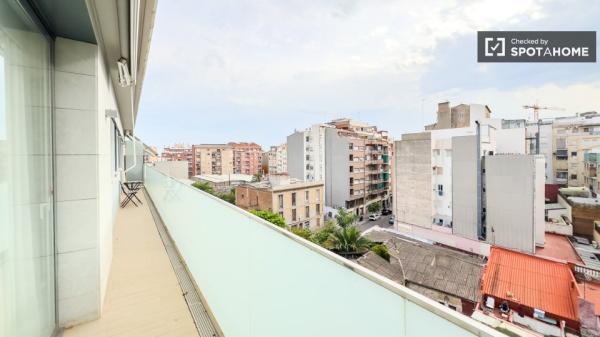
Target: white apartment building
(439, 193)
(306, 153)
(277, 159)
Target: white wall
(441, 156)
(510, 141)
(86, 184)
(175, 169)
(515, 203)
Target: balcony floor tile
(143, 296)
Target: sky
(221, 71)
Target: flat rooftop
(560, 248)
(221, 178)
(589, 255)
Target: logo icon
(495, 46)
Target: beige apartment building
(212, 159)
(300, 203)
(572, 137)
(276, 159)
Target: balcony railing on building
(252, 273)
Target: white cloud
(234, 65)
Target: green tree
(382, 251)
(229, 197)
(304, 233)
(271, 217)
(348, 240)
(345, 218)
(257, 177)
(203, 186)
(322, 235)
(374, 207)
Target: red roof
(531, 281)
(558, 247)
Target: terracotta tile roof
(558, 247)
(531, 281)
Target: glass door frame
(34, 15)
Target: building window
(306, 196)
(294, 214)
(574, 154)
(440, 190)
(294, 199)
(573, 176)
(318, 195)
(307, 211)
(318, 222)
(351, 169)
(318, 209)
(280, 200)
(351, 157)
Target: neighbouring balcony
(256, 279)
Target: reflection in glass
(27, 304)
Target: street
(381, 222)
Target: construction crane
(536, 110)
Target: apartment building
(276, 159)
(590, 171)
(179, 152)
(353, 158)
(150, 154)
(212, 159)
(440, 185)
(459, 116)
(306, 153)
(572, 137)
(299, 203)
(247, 158)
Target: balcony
(240, 281)
(143, 294)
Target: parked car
(374, 217)
(386, 211)
(392, 220)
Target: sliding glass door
(27, 303)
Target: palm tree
(345, 218)
(348, 240)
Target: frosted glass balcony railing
(262, 281)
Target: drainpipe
(478, 161)
(537, 138)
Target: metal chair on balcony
(130, 189)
